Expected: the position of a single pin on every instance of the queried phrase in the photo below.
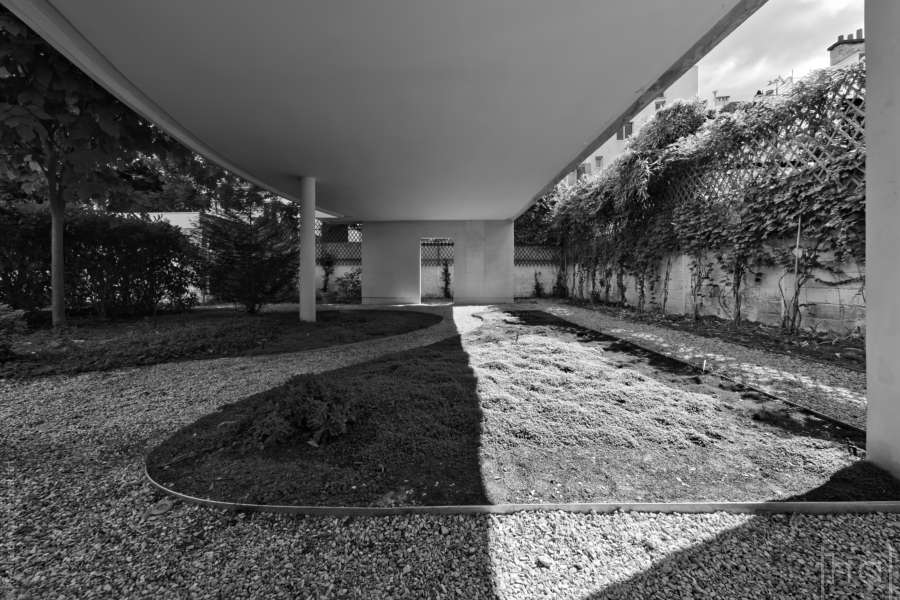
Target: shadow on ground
(413, 438)
(859, 482)
(777, 556)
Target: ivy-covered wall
(839, 309)
(764, 196)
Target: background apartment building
(685, 88)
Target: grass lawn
(91, 345)
(527, 408)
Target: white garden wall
(834, 308)
(391, 259)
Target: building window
(659, 104)
(598, 163)
(626, 131)
(583, 169)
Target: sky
(782, 36)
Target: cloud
(783, 36)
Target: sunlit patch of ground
(829, 389)
(572, 415)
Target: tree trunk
(57, 277)
(641, 283)
(620, 284)
(573, 289)
(607, 284)
(665, 290)
(696, 288)
(737, 277)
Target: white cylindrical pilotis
(883, 232)
(307, 282)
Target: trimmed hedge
(114, 264)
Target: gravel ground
(828, 389)
(77, 519)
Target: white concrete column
(484, 263)
(308, 249)
(883, 232)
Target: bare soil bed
(527, 408)
(92, 345)
(847, 351)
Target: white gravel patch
(642, 556)
(829, 389)
(75, 518)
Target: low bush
(327, 262)
(538, 290)
(25, 258)
(349, 287)
(446, 279)
(309, 406)
(114, 264)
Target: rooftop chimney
(845, 47)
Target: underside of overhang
(402, 109)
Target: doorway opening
(436, 271)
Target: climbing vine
(768, 183)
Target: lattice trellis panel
(536, 255)
(436, 251)
(342, 242)
(815, 139)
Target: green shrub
(538, 285)
(128, 266)
(251, 258)
(327, 262)
(445, 279)
(309, 406)
(349, 287)
(25, 258)
(114, 264)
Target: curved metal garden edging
(762, 508)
